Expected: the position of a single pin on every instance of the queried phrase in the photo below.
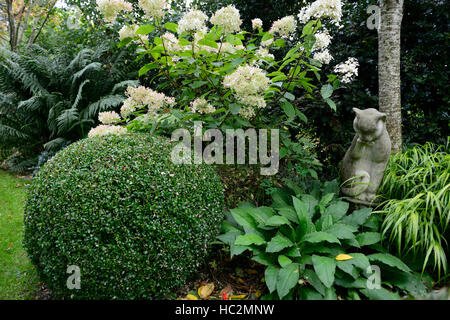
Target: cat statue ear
(356, 110)
(382, 117)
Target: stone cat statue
(362, 169)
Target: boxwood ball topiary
(135, 224)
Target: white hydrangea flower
(128, 107)
(323, 40)
(264, 53)
(127, 32)
(323, 56)
(154, 8)
(130, 32)
(111, 8)
(144, 97)
(249, 84)
(267, 43)
(257, 23)
(254, 101)
(284, 26)
(171, 42)
(247, 112)
(194, 20)
(200, 105)
(108, 117)
(103, 130)
(319, 9)
(348, 70)
(228, 18)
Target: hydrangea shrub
(207, 68)
(135, 224)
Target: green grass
(417, 210)
(18, 279)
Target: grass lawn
(18, 279)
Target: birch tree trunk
(389, 68)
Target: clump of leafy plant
(313, 248)
(49, 99)
(136, 224)
(417, 210)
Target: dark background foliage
(425, 43)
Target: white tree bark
(389, 68)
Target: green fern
(48, 99)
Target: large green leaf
(284, 261)
(314, 280)
(277, 221)
(380, 294)
(320, 236)
(359, 260)
(337, 210)
(358, 217)
(271, 275)
(325, 268)
(368, 238)
(326, 91)
(348, 268)
(287, 279)
(249, 239)
(342, 231)
(278, 243)
(243, 218)
(390, 260)
(145, 29)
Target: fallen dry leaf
(343, 257)
(191, 297)
(205, 291)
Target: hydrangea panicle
(323, 56)
(319, 9)
(103, 130)
(108, 117)
(154, 8)
(348, 70)
(194, 20)
(200, 105)
(111, 8)
(144, 97)
(249, 84)
(284, 27)
(257, 23)
(228, 19)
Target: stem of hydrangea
(158, 24)
(291, 78)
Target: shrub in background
(49, 99)
(417, 210)
(135, 224)
(314, 248)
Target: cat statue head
(369, 124)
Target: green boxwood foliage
(135, 224)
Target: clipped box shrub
(135, 224)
